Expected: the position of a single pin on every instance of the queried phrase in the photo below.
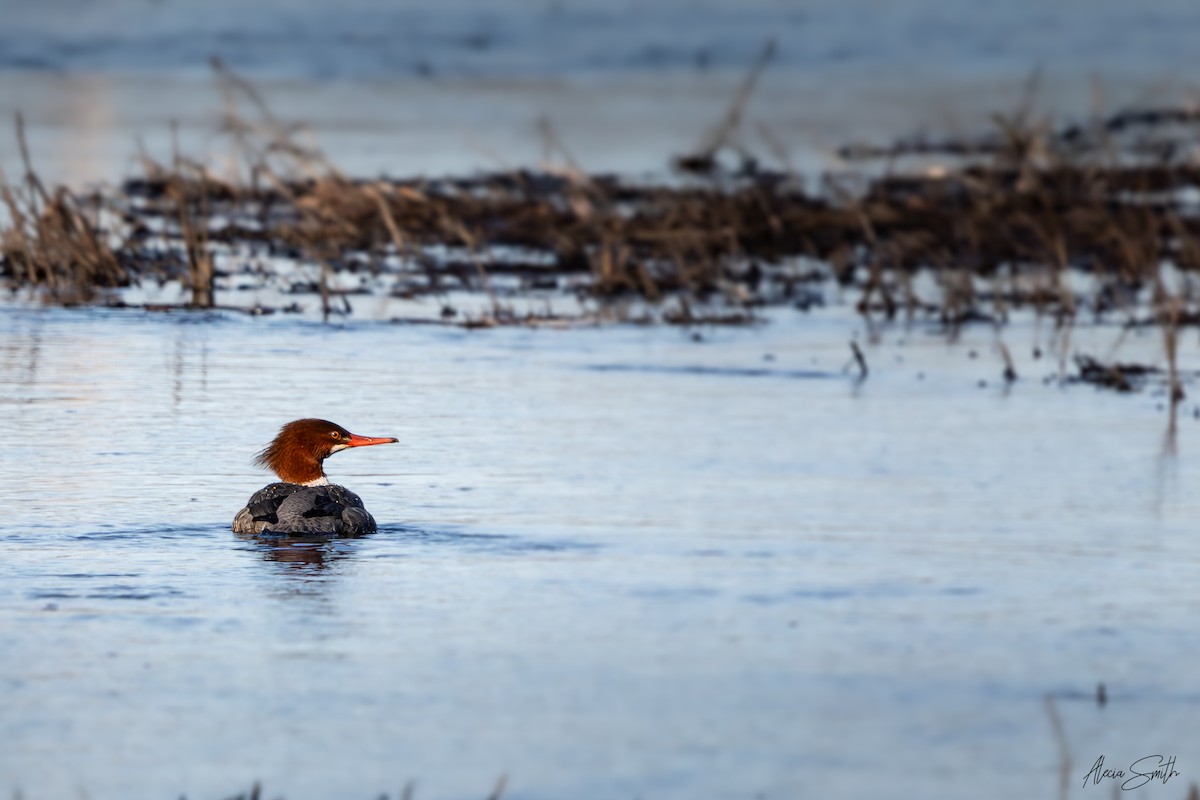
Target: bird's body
(295, 510)
(304, 502)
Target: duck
(303, 502)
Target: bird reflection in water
(301, 555)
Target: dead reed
(1005, 223)
(53, 240)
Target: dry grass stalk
(195, 237)
(51, 244)
(1064, 751)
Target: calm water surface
(430, 87)
(612, 563)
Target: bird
(304, 502)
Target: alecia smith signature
(1140, 772)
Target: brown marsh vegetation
(1096, 220)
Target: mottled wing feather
(264, 511)
(357, 521)
(323, 506)
(262, 507)
(311, 511)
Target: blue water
(435, 88)
(376, 40)
(611, 563)
(615, 562)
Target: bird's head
(297, 453)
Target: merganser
(305, 503)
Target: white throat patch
(321, 481)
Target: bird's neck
(297, 466)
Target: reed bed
(1016, 218)
(53, 239)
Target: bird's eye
(335, 434)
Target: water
(375, 40)
(426, 87)
(611, 563)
